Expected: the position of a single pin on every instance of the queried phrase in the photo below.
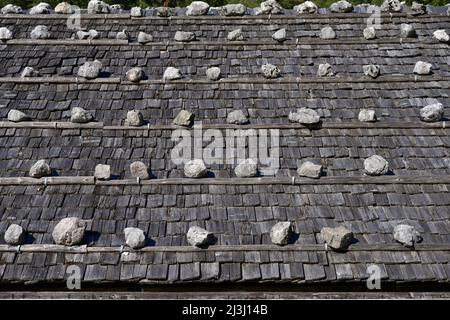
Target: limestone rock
(376, 165)
(29, 72)
(195, 169)
(310, 170)
(91, 34)
(237, 117)
(102, 172)
(15, 235)
(97, 6)
(281, 233)
(90, 69)
(11, 8)
(5, 34)
(338, 238)
(40, 32)
(367, 115)
(197, 8)
(184, 36)
(369, 33)
(136, 12)
(40, 169)
(341, 7)
(144, 38)
(432, 112)
(391, 6)
(270, 7)
(41, 8)
(69, 231)
(441, 35)
(134, 118)
(135, 74)
(246, 168)
(417, 9)
(134, 237)
(422, 67)
(304, 116)
(269, 71)
(306, 7)
(171, 73)
(17, 116)
(79, 115)
(325, 70)
(327, 33)
(199, 237)
(139, 170)
(184, 118)
(280, 35)
(64, 8)
(406, 235)
(407, 31)
(233, 10)
(122, 35)
(213, 73)
(371, 70)
(235, 35)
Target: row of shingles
(76, 152)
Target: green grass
(182, 3)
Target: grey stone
(195, 169)
(417, 9)
(237, 117)
(327, 33)
(134, 238)
(422, 67)
(406, 235)
(15, 235)
(64, 8)
(139, 170)
(213, 73)
(338, 238)
(246, 168)
(17, 116)
(116, 8)
(144, 38)
(11, 8)
(306, 7)
(134, 118)
(280, 35)
(235, 35)
(135, 74)
(171, 73)
(40, 169)
(5, 34)
(310, 170)
(122, 35)
(369, 33)
(197, 8)
(407, 31)
(432, 112)
(325, 70)
(91, 34)
(165, 11)
(304, 116)
(367, 115)
(199, 237)
(97, 6)
(90, 69)
(41, 8)
(376, 165)
(441, 35)
(79, 115)
(269, 7)
(102, 172)
(371, 70)
(391, 6)
(281, 233)
(69, 231)
(233, 10)
(269, 71)
(40, 32)
(184, 118)
(136, 12)
(184, 36)
(341, 7)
